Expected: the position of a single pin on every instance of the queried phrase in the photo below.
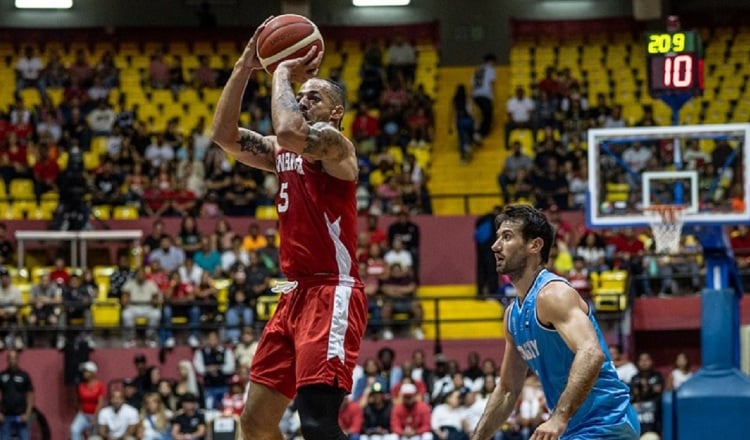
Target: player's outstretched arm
(560, 306)
(247, 146)
(503, 399)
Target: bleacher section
(616, 66)
(471, 318)
(156, 107)
(479, 176)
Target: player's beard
(513, 266)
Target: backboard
(701, 167)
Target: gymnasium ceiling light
(364, 3)
(44, 4)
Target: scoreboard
(675, 62)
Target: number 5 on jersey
(283, 206)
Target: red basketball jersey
(317, 220)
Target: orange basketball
(286, 37)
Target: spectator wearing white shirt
(533, 410)
(118, 420)
(399, 255)
(170, 257)
(29, 71)
(98, 91)
(201, 140)
(10, 300)
(402, 60)
(101, 119)
(483, 93)
(236, 256)
(636, 156)
(140, 298)
(614, 119)
(49, 126)
(520, 110)
(626, 370)
(158, 151)
(448, 421)
(190, 273)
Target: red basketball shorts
(312, 339)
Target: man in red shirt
(46, 171)
(365, 129)
(410, 419)
(351, 417)
(740, 242)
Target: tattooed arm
(246, 146)
(317, 142)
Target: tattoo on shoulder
(324, 141)
(253, 144)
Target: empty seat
(125, 213)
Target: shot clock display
(675, 62)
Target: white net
(666, 226)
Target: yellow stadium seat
(617, 192)
(5, 211)
(266, 212)
(25, 289)
(22, 210)
(397, 153)
(526, 138)
(101, 212)
(62, 160)
(37, 272)
(106, 313)
(609, 291)
(22, 188)
(125, 213)
(31, 97)
(267, 307)
(91, 160)
(55, 95)
(162, 97)
(3, 193)
(40, 214)
(99, 145)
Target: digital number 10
(678, 71)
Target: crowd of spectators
(209, 279)
(553, 169)
(412, 399)
(178, 170)
(152, 404)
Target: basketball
(286, 37)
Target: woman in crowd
(90, 393)
(155, 419)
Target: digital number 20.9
(678, 71)
(665, 43)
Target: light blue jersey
(606, 413)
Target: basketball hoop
(666, 225)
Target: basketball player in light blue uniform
(553, 332)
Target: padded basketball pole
(719, 390)
(720, 333)
(675, 101)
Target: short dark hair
(337, 92)
(534, 224)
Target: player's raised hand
(249, 58)
(303, 68)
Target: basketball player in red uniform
(310, 346)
